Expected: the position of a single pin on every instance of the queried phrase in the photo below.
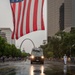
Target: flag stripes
(27, 17)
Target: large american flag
(27, 16)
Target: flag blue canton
(14, 1)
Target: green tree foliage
(2, 45)
(7, 51)
(18, 53)
(63, 43)
(49, 54)
(15, 52)
(55, 42)
(10, 50)
(24, 54)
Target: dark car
(37, 55)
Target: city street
(34, 31)
(25, 68)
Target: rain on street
(48, 68)
(25, 68)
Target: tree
(18, 53)
(13, 50)
(7, 51)
(2, 45)
(61, 46)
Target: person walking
(65, 59)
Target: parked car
(37, 55)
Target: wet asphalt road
(25, 68)
(52, 67)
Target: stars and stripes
(12, 1)
(27, 16)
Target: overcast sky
(6, 21)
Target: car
(37, 55)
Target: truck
(37, 55)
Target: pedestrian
(65, 59)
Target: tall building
(3, 35)
(8, 33)
(68, 13)
(54, 16)
(60, 16)
(69, 16)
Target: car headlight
(32, 57)
(42, 57)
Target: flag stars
(12, 1)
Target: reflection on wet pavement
(60, 70)
(37, 70)
(31, 70)
(71, 70)
(42, 70)
(65, 69)
(25, 68)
